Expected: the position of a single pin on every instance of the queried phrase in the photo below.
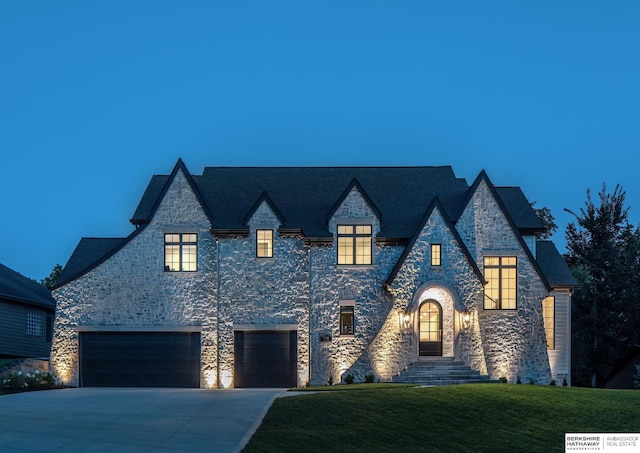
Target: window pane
(345, 229)
(435, 255)
(172, 257)
(508, 260)
(345, 250)
(491, 261)
(346, 320)
(363, 250)
(189, 238)
(363, 229)
(172, 238)
(264, 243)
(548, 314)
(189, 258)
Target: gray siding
(13, 338)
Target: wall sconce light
(406, 321)
(465, 320)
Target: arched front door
(430, 342)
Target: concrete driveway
(131, 419)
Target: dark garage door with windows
(140, 359)
(266, 358)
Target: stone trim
(139, 328)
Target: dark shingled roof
(305, 196)
(520, 209)
(553, 266)
(89, 251)
(16, 287)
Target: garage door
(140, 359)
(265, 358)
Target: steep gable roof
(553, 266)
(264, 198)
(520, 209)
(474, 187)
(363, 193)
(304, 195)
(18, 288)
(452, 230)
(161, 185)
(88, 254)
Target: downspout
(217, 312)
(309, 312)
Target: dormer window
(354, 245)
(180, 252)
(264, 243)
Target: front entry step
(444, 371)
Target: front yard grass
(463, 418)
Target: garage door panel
(265, 358)
(140, 359)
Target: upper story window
(354, 244)
(264, 243)
(34, 323)
(549, 317)
(180, 252)
(436, 254)
(501, 289)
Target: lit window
(264, 243)
(501, 275)
(34, 323)
(354, 244)
(346, 319)
(436, 254)
(180, 252)
(549, 317)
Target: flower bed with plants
(17, 381)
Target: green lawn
(464, 418)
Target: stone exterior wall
(131, 289)
(302, 286)
(265, 292)
(513, 340)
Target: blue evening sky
(97, 96)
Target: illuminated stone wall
(263, 291)
(453, 285)
(513, 340)
(302, 286)
(131, 289)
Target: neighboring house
(26, 316)
(626, 373)
(275, 277)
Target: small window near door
(347, 320)
(264, 243)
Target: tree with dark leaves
(603, 254)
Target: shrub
(330, 380)
(564, 382)
(349, 379)
(532, 382)
(369, 378)
(636, 377)
(553, 382)
(518, 381)
(503, 380)
(38, 380)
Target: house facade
(287, 276)
(26, 316)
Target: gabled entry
(430, 329)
